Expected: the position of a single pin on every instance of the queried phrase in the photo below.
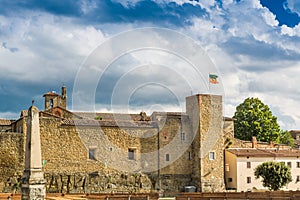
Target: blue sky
(254, 45)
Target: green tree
(285, 137)
(254, 118)
(274, 175)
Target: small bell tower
(52, 99)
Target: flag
(213, 79)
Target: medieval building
(125, 152)
(113, 152)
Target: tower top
(52, 99)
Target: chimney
(254, 142)
(64, 92)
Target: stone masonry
(97, 152)
(33, 182)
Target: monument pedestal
(33, 182)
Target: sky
(252, 45)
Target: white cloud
(45, 44)
(294, 6)
(295, 31)
(48, 45)
(9, 115)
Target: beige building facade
(240, 164)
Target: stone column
(33, 182)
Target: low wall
(102, 196)
(273, 195)
(87, 183)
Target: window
(248, 179)
(189, 155)
(131, 153)
(92, 153)
(211, 155)
(182, 136)
(248, 164)
(289, 164)
(298, 164)
(229, 180)
(51, 103)
(298, 179)
(227, 167)
(167, 157)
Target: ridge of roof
(91, 122)
(5, 122)
(264, 152)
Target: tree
(274, 175)
(285, 137)
(254, 118)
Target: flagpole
(209, 92)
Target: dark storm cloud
(65, 7)
(16, 96)
(107, 11)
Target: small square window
(92, 153)
(131, 154)
(167, 157)
(189, 155)
(289, 164)
(248, 164)
(248, 179)
(211, 155)
(182, 136)
(227, 169)
(298, 164)
(298, 179)
(229, 180)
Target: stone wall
(205, 112)
(173, 150)
(211, 142)
(97, 182)
(11, 160)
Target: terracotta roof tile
(50, 94)
(244, 152)
(90, 122)
(109, 116)
(5, 122)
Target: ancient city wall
(11, 160)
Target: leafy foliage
(254, 118)
(275, 175)
(285, 137)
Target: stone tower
(52, 99)
(205, 113)
(33, 182)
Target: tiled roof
(228, 119)
(5, 122)
(170, 113)
(109, 116)
(50, 94)
(90, 122)
(253, 152)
